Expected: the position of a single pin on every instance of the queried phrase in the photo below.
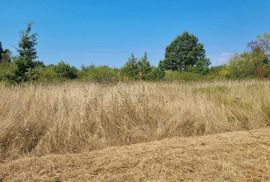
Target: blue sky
(108, 31)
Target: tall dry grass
(71, 118)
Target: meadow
(74, 117)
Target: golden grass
(37, 120)
(234, 156)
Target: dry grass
(76, 117)
(237, 156)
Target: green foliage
(144, 67)
(1, 51)
(247, 65)
(217, 72)
(6, 70)
(99, 74)
(156, 74)
(5, 54)
(24, 65)
(23, 71)
(65, 71)
(141, 69)
(47, 74)
(185, 60)
(130, 70)
(185, 52)
(28, 41)
(263, 71)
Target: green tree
(144, 67)
(27, 44)
(131, 69)
(5, 54)
(185, 52)
(141, 69)
(1, 51)
(25, 62)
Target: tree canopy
(185, 52)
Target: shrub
(141, 69)
(47, 74)
(263, 71)
(217, 72)
(156, 74)
(65, 71)
(6, 70)
(22, 71)
(130, 71)
(248, 65)
(99, 74)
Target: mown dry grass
(234, 156)
(37, 120)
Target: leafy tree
(65, 71)
(185, 52)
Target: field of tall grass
(37, 120)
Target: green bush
(6, 70)
(217, 72)
(247, 65)
(99, 74)
(47, 74)
(65, 71)
(156, 74)
(21, 70)
(141, 69)
(130, 71)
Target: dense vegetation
(185, 59)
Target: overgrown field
(37, 120)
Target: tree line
(185, 59)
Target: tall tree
(26, 60)
(131, 68)
(185, 52)
(144, 67)
(27, 44)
